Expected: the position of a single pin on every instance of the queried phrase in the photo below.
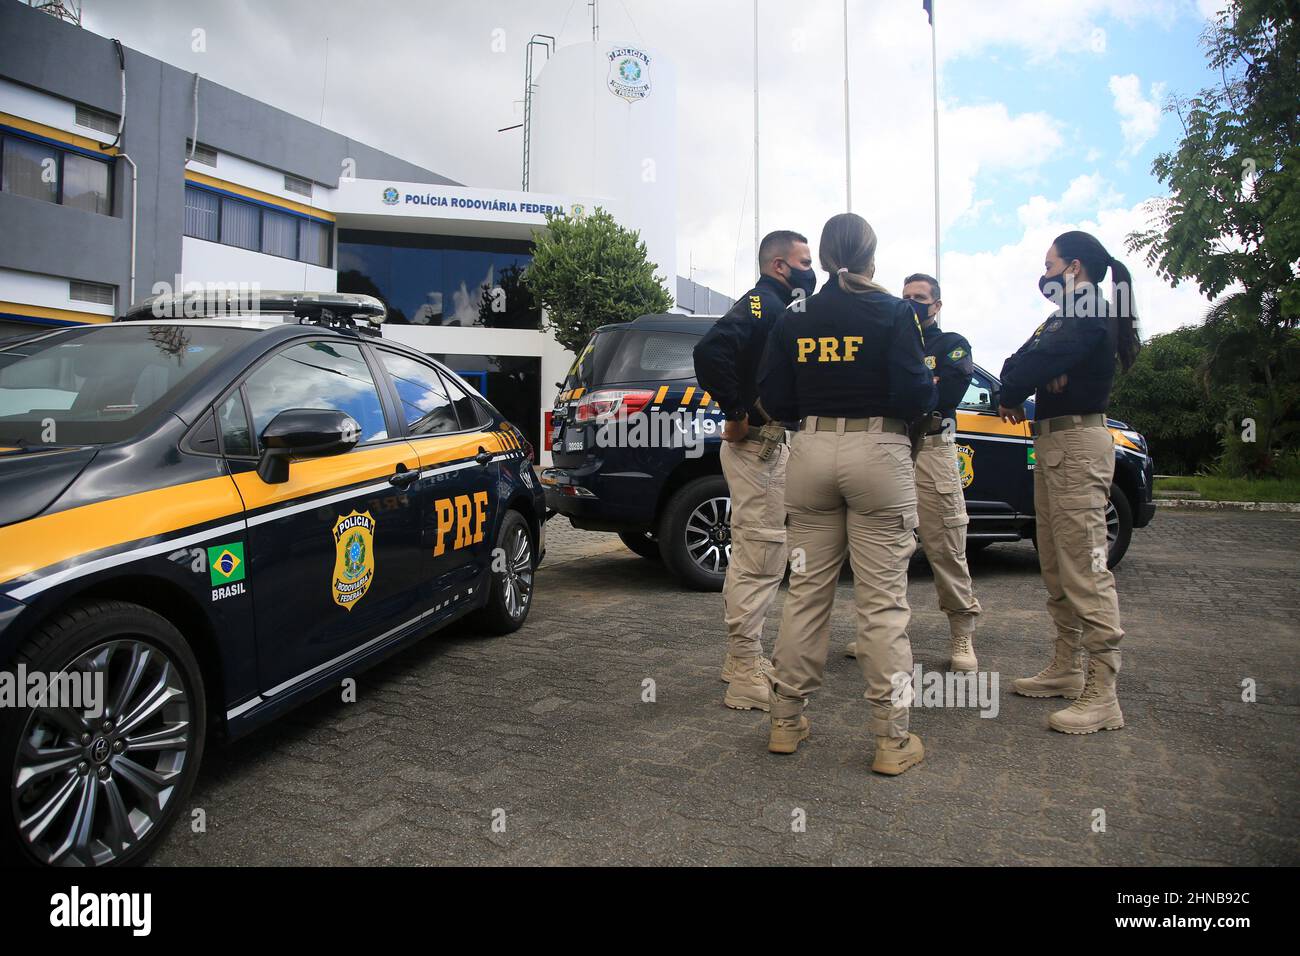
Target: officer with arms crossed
(851, 370)
(1070, 361)
(726, 365)
(940, 504)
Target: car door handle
(404, 477)
(483, 457)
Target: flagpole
(848, 161)
(756, 226)
(934, 77)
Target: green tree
(1164, 396)
(1231, 223)
(590, 271)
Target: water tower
(604, 123)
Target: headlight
(1136, 438)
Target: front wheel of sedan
(100, 767)
(513, 565)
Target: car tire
(1121, 523)
(702, 505)
(510, 588)
(1119, 527)
(144, 657)
(643, 543)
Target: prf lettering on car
(829, 348)
(469, 515)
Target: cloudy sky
(1051, 112)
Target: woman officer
(1070, 362)
(848, 365)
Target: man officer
(726, 365)
(940, 504)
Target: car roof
(666, 322)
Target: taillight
(549, 431)
(610, 403)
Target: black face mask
(804, 279)
(1052, 287)
(922, 311)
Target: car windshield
(633, 355)
(99, 384)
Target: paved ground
(548, 727)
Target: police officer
(940, 504)
(726, 365)
(849, 367)
(1070, 362)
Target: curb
(1201, 504)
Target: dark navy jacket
(727, 358)
(847, 355)
(949, 358)
(1076, 342)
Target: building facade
(183, 183)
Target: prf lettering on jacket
(468, 514)
(831, 348)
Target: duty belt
(1063, 422)
(821, 423)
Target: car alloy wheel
(517, 578)
(708, 535)
(86, 790)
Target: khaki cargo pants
(854, 493)
(1072, 475)
(757, 564)
(941, 509)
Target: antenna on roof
(68, 11)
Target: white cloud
(992, 297)
(1139, 115)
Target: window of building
(99, 120)
(31, 169)
(241, 224)
(202, 214)
(279, 234)
(97, 292)
(440, 280)
(202, 154)
(296, 184)
(41, 170)
(249, 225)
(85, 184)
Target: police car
(204, 521)
(659, 485)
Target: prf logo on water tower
(629, 74)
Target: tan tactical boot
(748, 688)
(851, 648)
(896, 754)
(963, 653)
(1097, 708)
(788, 733)
(1061, 678)
(729, 666)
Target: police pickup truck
(634, 441)
(204, 521)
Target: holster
(918, 428)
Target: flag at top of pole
(928, 11)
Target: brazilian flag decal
(1032, 460)
(226, 563)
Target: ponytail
(848, 251)
(1096, 260)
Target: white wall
(203, 261)
(43, 108)
(51, 292)
(587, 140)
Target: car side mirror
(304, 433)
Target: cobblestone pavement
(548, 728)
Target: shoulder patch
(1054, 325)
(756, 306)
(956, 353)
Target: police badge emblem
(354, 558)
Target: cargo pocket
(908, 523)
(1083, 517)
